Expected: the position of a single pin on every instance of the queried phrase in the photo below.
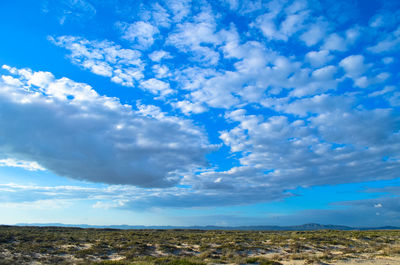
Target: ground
(57, 245)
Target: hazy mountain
(304, 227)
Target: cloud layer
(71, 130)
(291, 95)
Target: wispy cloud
(28, 165)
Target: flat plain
(61, 245)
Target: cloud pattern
(306, 98)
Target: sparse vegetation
(55, 245)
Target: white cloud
(268, 27)
(257, 73)
(377, 21)
(388, 60)
(157, 56)
(318, 150)
(324, 74)
(110, 204)
(362, 82)
(385, 18)
(372, 128)
(318, 58)
(179, 8)
(161, 71)
(357, 70)
(38, 205)
(191, 37)
(334, 42)
(395, 99)
(293, 23)
(129, 197)
(244, 7)
(104, 58)
(389, 43)
(157, 87)
(9, 80)
(305, 148)
(354, 65)
(233, 4)
(140, 33)
(294, 17)
(188, 107)
(231, 44)
(73, 131)
(313, 35)
(160, 16)
(352, 35)
(385, 90)
(27, 165)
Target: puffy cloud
(368, 128)
(104, 58)
(354, 65)
(140, 33)
(332, 144)
(192, 37)
(179, 8)
(334, 42)
(258, 73)
(188, 107)
(295, 14)
(161, 71)
(157, 56)
(156, 87)
(318, 58)
(313, 35)
(325, 73)
(69, 129)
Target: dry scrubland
(53, 245)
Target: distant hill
(304, 227)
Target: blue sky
(200, 112)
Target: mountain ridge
(304, 227)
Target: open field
(55, 245)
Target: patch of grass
(262, 261)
